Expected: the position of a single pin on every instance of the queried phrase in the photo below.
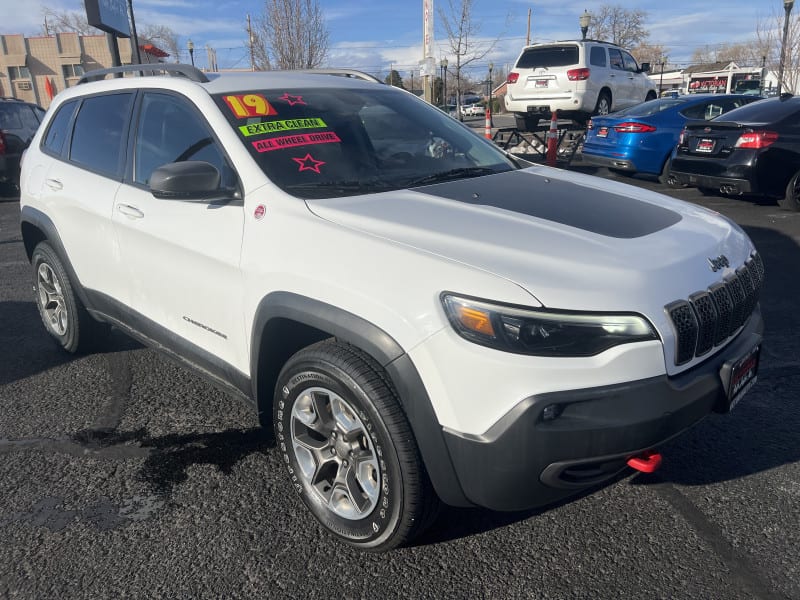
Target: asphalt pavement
(125, 476)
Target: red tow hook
(646, 462)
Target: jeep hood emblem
(718, 263)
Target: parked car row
(732, 144)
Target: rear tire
(666, 178)
(63, 314)
(791, 200)
(525, 122)
(603, 106)
(349, 449)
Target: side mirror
(191, 180)
(645, 67)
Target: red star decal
(292, 100)
(309, 163)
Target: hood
(573, 241)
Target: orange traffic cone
(488, 130)
(552, 140)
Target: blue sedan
(640, 139)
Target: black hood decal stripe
(596, 211)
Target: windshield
(326, 142)
(763, 111)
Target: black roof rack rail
(342, 73)
(149, 69)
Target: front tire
(791, 200)
(64, 316)
(349, 449)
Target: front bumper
(524, 461)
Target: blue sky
(374, 35)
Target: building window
(72, 71)
(18, 73)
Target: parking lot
(123, 475)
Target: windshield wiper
(342, 186)
(460, 173)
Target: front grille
(712, 316)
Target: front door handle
(130, 211)
(54, 184)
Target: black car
(18, 122)
(754, 149)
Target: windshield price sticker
(293, 141)
(286, 125)
(249, 105)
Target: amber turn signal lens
(475, 320)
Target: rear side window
(10, 117)
(764, 111)
(58, 130)
(549, 56)
(597, 57)
(99, 130)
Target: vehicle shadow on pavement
(171, 456)
(34, 350)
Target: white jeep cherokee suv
(576, 78)
(418, 316)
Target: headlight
(541, 332)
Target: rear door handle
(130, 211)
(54, 184)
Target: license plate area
(739, 376)
(541, 83)
(706, 146)
(602, 132)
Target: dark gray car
(18, 122)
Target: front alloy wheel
(349, 449)
(334, 452)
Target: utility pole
(46, 27)
(250, 38)
(528, 36)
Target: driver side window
(169, 131)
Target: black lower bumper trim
(524, 461)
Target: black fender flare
(352, 329)
(33, 218)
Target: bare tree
(162, 37)
(463, 38)
(66, 21)
(617, 24)
(741, 54)
(291, 34)
(769, 39)
(655, 54)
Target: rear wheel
(603, 106)
(526, 122)
(64, 316)
(349, 449)
(791, 200)
(666, 177)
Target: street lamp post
(584, 21)
(443, 65)
(787, 6)
(661, 77)
(190, 47)
(491, 84)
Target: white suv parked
(416, 315)
(577, 78)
